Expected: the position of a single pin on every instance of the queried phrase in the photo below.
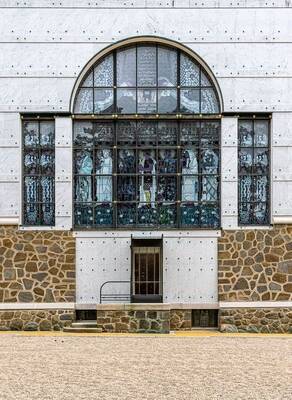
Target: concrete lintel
(255, 304)
(36, 306)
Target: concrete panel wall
(189, 265)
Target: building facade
(145, 152)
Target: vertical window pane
(209, 103)
(253, 168)
(84, 102)
(39, 173)
(126, 68)
(190, 101)
(103, 73)
(83, 133)
(146, 101)
(189, 72)
(146, 62)
(167, 101)
(167, 67)
(126, 101)
(103, 101)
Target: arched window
(145, 156)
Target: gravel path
(188, 368)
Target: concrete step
(84, 324)
(82, 330)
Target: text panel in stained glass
(254, 172)
(38, 172)
(146, 174)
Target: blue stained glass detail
(167, 161)
(147, 214)
(47, 162)
(103, 214)
(47, 185)
(167, 214)
(31, 162)
(126, 161)
(261, 188)
(31, 185)
(210, 186)
(245, 188)
(83, 162)
(261, 213)
(246, 212)
(261, 161)
(47, 134)
(210, 161)
(210, 215)
(126, 188)
(48, 213)
(83, 133)
(190, 214)
(246, 134)
(31, 134)
(83, 188)
(166, 190)
(83, 214)
(246, 160)
(126, 214)
(30, 214)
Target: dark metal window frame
(268, 202)
(176, 87)
(178, 175)
(39, 149)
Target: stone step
(84, 324)
(82, 330)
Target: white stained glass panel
(209, 103)
(126, 68)
(126, 101)
(104, 73)
(167, 67)
(146, 62)
(103, 100)
(190, 100)
(88, 81)
(189, 72)
(146, 101)
(84, 102)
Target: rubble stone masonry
(255, 265)
(36, 266)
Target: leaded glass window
(146, 79)
(146, 173)
(38, 172)
(254, 172)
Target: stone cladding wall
(133, 321)
(180, 320)
(35, 320)
(261, 320)
(255, 264)
(36, 266)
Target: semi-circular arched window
(145, 156)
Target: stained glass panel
(167, 67)
(132, 176)
(104, 73)
(39, 172)
(126, 67)
(103, 101)
(83, 133)
(126, 101)
(254, 165)
(146, 79)
(190, 101)
(146, 66)
(189, 72)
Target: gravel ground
(111, 367)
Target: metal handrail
(113, 296)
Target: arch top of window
(146, 79)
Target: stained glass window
(146, 173)
(254, 172)
(39, 172)
(146, 79)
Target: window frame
(253, 119)
(178, 225)
(38, 148)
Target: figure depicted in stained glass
(147, 187)
(83, 186)
(126, 161)
(104, 183)
(190, 182)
